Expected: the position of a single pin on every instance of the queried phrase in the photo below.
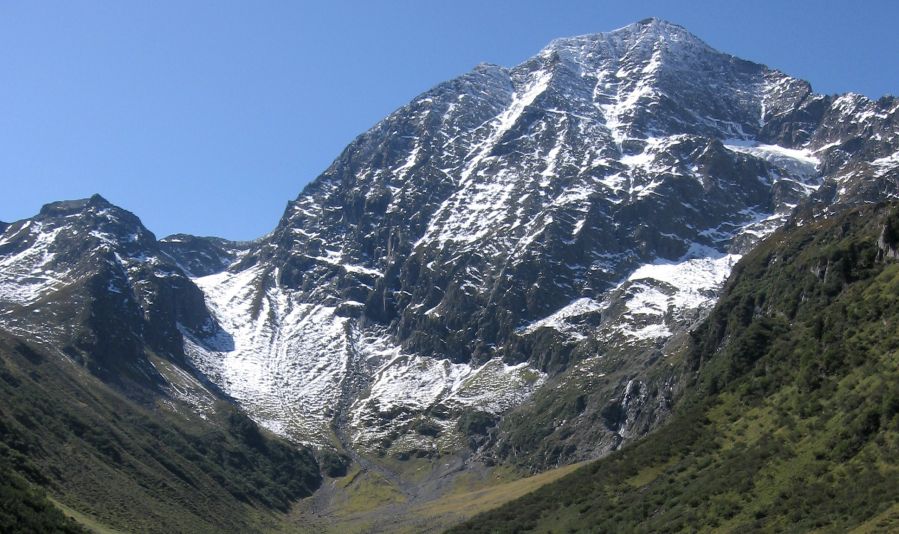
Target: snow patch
(560, 319)
(797, 162)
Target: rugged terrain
(522, 248)
(502, 274)
(791, 422)
(100, 405)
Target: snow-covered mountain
(86, 280)
(510, 262)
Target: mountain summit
(512, 227)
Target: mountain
(101, 406)
(792, 418)
(105, 291)
(502, 274)
(532, 242)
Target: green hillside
(129, 466)
(25, 509)
(791, 422)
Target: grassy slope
(139, 468)
(23, 508)
(792, 422)
(366, 502)
(463, 504)
(84, 521)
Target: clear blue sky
(207, 117)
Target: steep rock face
(859, 142)
(520, 230)
(87, 278)
(202, 256)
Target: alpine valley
(512, 274)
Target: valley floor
(438, 495)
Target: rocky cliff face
(510, 262)
(202, 256)
(86, 279)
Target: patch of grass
(89, 523)
(885, 522)
(24, 508)
(368, 493)
(649, 474)
(468, 503)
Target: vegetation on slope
(792, 419)
(25, 509)
(433, 500)
(140, 468)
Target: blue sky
(206, 117)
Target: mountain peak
(70, 207)
(97, 200)
(639, 38)
(94, 218)
(655, 21)
(655, 26)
